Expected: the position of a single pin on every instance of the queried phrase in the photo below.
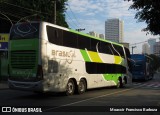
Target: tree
(43, 10)
(148, 11)
(155, 62)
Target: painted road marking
(152, 85)
(69, 104)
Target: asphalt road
(137, 96)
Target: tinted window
(83, 42)
(54, 35)
(128, 58)
(115, 51)
(91, 68)
(69, 39)
(120, 50)
(103, 68)
(25, 31)
(127, 52)
(105, 48)
(94, 44)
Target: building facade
(145, 48)
(114, 30)
(156, 48)
(152, 42)
(92, 33)
(125, 45)
(101, 36)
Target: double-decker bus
(45, 57)
(141, 67)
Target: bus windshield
(138, 66)
(24, 31)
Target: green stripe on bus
(87, 35)
(113, 77)
(107, 76)
(85, 56)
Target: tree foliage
(42, 10)
(148, 11)
(155, 62)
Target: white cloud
(92, 14)
(85, 6)
(88, 9)
(119, 10)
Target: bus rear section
(25, 71)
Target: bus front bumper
(26, 86)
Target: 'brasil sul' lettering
(63, 53)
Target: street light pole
(133, 48)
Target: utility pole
(133, 48)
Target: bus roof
(81, 33)
(73, 31)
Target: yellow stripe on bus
(94, 57)
(118, 60)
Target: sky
(92, 14)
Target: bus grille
(23, 59)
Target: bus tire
(70, 89)
(82, 86)
(119, 83)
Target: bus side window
(54, 35)
(91, 67)
(83, 42)
(119, 50)
(115, 50)
(105, 48)
(94, 44)
(52, 66)
(69, 39)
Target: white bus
(44, 57)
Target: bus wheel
(82, 86)
(119, 83)
(70, 87)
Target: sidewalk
(3, 85)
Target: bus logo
(70, 54)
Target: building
(4, 38)
(114, 30)
(152, 42)
(145, 48)
(92, 33)
(125, 45)
(156, 48)
(101, 36)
